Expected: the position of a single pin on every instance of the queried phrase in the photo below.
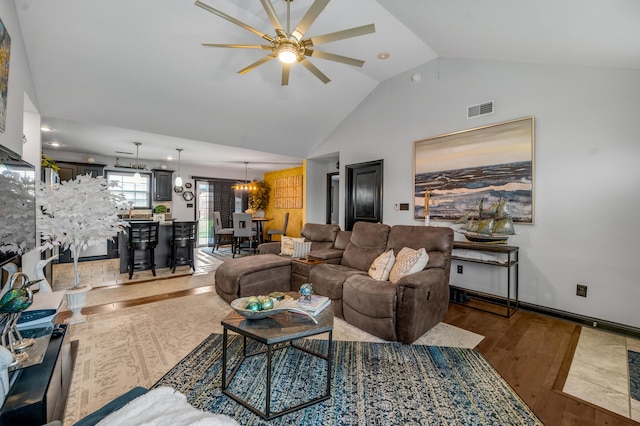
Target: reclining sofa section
(403, 311)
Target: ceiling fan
(290, 46)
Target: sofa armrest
(328, 255)
(270, 248)
(423, 300)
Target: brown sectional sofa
(397, 312)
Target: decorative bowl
(239, 305)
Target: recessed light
(46, 129)
(383, 55)
(54, 143)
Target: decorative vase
(45, 287)
(76, 299)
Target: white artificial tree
(78, 214)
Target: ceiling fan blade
(314, 70)
(240, 46)
(333, 57)
(273, 16)
(256, 64)
(339, 35)
(285, 74)
(312, 14)
(233, 20)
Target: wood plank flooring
(530, 351)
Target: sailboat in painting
(491, 224)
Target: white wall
(586, 172)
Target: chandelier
(246, 186)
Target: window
(137, 192)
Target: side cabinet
(162, 185)
(39, 393)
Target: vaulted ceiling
(110, 72)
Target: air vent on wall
(480, 109)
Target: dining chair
(220, 233)
(282, 231)
(242, 231)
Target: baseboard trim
(583, 320)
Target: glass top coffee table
(276, 333)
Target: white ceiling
(110, 72)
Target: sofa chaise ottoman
(269, 271)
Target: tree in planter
(259, 198)
(78, 214)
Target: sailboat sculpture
(488, 225)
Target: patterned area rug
(136, 346)
(372, 384)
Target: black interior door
(363, 193)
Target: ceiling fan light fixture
(288, 52)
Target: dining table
(259, 221)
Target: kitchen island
(162, 251)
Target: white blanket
(164, 406)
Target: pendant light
(246, 186)
(178, 183)
(136, 177)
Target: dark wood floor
(532, 351)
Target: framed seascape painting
(5, 49)
(456, 172)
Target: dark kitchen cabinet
(162, 185)
(69, 170)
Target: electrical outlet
(460, 269)
(581, 290)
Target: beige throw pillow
(381, 267)
(408, 261)
(286, 245)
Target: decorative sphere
(253, 306)
(253, 299)
(267, 304)
(306, 289)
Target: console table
(509, 259)
(39, 393)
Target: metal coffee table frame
(274, 339)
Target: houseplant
(76, 215)
(259, 197)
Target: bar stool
(183, 237)
(142, 236)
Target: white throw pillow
(301, 249)
(381, 267)
(408, 261)
(286, 245)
